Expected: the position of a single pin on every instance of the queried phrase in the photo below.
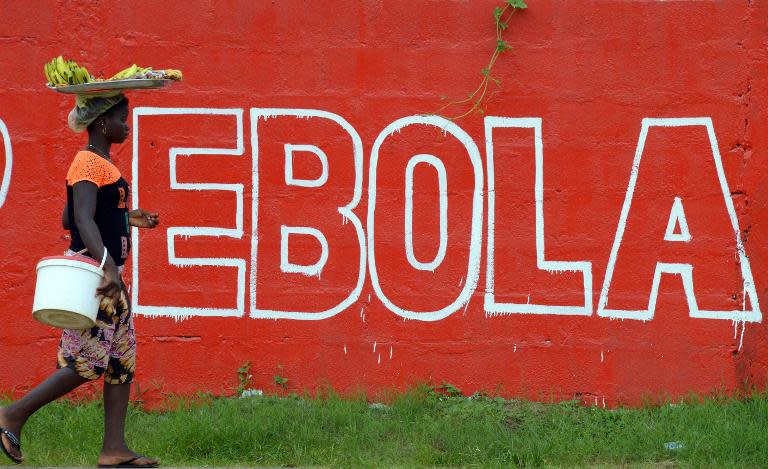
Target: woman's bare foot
(9, 446)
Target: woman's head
(103, 116)
(112, 124)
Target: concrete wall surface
(598, 233)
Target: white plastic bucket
(65, 292)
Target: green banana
(78, 75)
(59, 79)
(45, 71)
(60, 67)
(126, 73)
(62, 78)
(65, 73)
(55, 75)
(51, 76)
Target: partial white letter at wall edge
(473, 263)
(191, 231)
(492, 307)
(346, 211)
(684, 270)
(8, 151)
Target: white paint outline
(309, 270)
(442, 181)
(684, 270)
(172, 232)
(677, 217)
(292, 181)
(8, 163)
(345, 211)
(493, 307)
(475, 245)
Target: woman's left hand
(141, 218)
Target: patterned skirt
(108, 348)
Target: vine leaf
(497, 14)
(476, 99)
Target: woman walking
(98, 218)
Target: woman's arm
(85, 208)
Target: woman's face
(116, 124)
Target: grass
(420, 428)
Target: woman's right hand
(111, 286)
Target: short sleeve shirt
(111, 215)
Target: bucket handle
(103, 258)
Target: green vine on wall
(501, 16)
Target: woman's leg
(115, 450)
(117, 388)
(14, 416)
(115, 408)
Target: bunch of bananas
(60, 72)
(131, 72)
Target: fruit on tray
(60, 72)
(136, 72)
(129, 72)
(172, 74)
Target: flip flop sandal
(129, 463)
(14, 441)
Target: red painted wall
(593, 76)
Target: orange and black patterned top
(111, 215)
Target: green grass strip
(420, 428)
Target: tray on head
(97, 87)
